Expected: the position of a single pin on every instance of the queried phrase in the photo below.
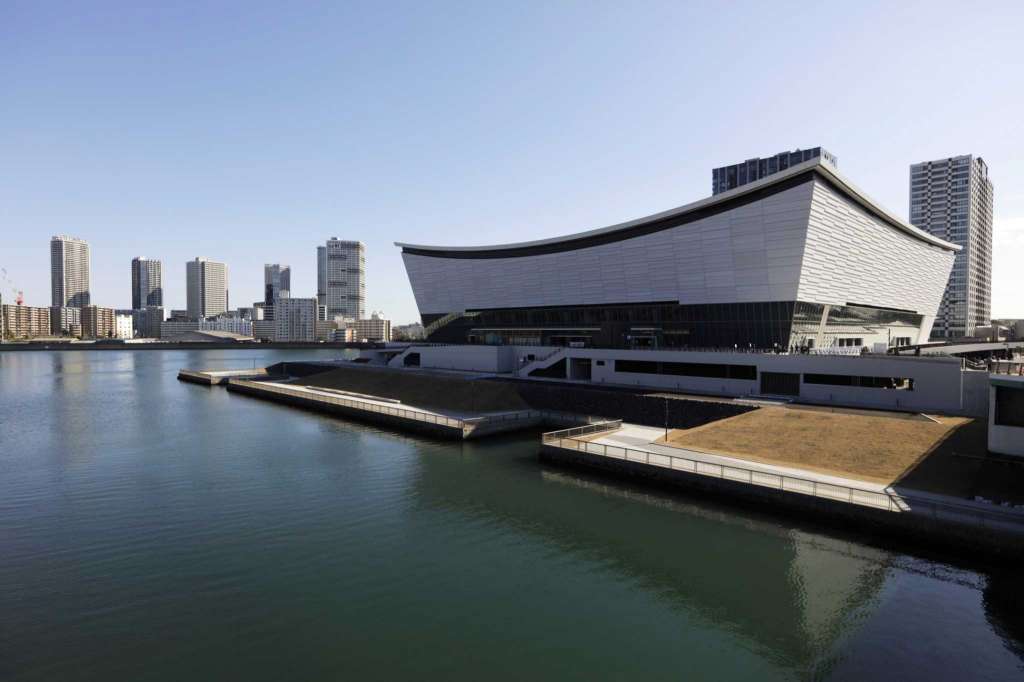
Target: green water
(157, 530)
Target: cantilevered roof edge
(754, 191)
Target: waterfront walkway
(636, 445)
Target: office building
(800, 259)
(206, 288)
(147, 282)
(739, 174)
(69, 272)
(295, 319)
(952, 200)
(264, 330)
(97, 322)
(23, 322)
(321, 275)
(341, 269)
(374, 328)
(147, 321)
(65, 321)
(277, 282)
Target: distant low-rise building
(123, 327)
(295, 319)
(173, 329)
(408, 332)
(97, 322)
(264, 330)
(375, 328)
(24, 322)
(345, 335)
(176, 329)
(65, 321)
(225, 323)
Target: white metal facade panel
(807, 243)
(853, 257)
(748, 254)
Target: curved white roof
(816, 165)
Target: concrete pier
(216, 377)
(445, 424)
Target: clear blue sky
(250, 132)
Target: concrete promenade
(920, 517)
(641, 438)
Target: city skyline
(173, 174)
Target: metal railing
(890, 501)
(427, 417)
(585, 430)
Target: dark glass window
(896, 383)
(1009, 406)
(688, 369)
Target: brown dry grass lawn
(868, 447)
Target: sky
(251, 132)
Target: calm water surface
(156, 530)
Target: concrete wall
(938, 381)
(975, 393)
(468, 358)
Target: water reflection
(1004, 606)
(788, 593)
(800, 599)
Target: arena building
(800, 259)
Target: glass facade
(736, 175)
(782, 325)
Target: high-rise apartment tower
(731, 177)
(206, 288)
(69, 272)
(147, 282)
(341, 270)
(952, 199)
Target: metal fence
(427, 417)
(585, 430)
(995, 518)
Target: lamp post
(666, 420)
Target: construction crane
(19, 297)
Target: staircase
(541, 362)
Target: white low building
(123, 327)
(375, 328)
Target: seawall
(915, 529)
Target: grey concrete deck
(635, 443)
